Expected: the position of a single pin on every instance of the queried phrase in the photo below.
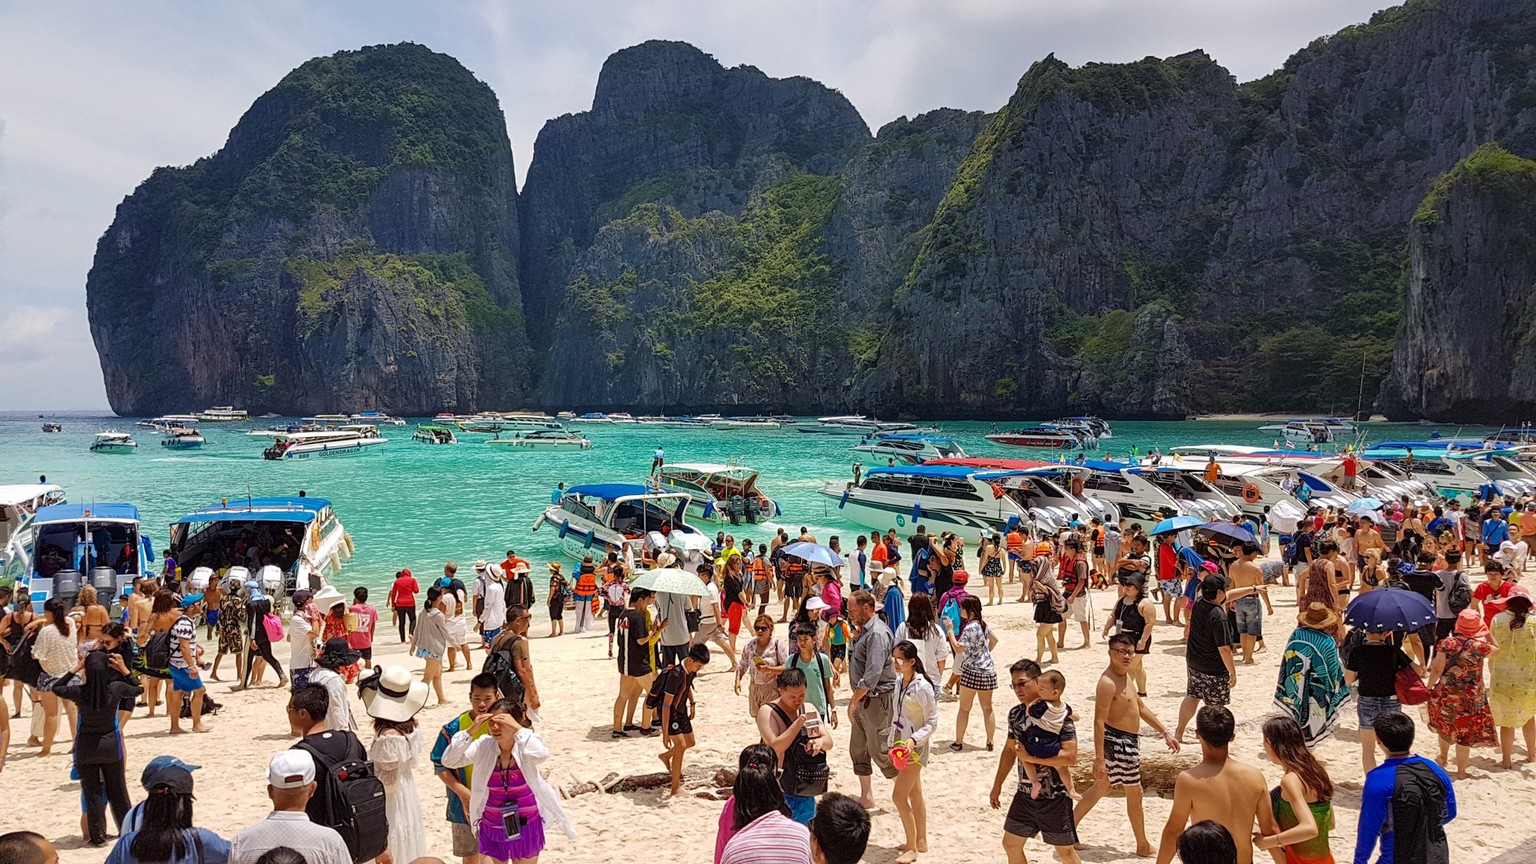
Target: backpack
(498, 663)
(352, 798)
(1461, 593)
(804, 775)
(658, 691)
(274, 627)
(157, 652)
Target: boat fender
(1251, 493)
(351, 545)
(840, 502)
(997, 491)
(917, 512)
(564, 527)
(709, 509)
(591, 535)
(776, 510)
(1304, 493)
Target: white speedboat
(299, 538)
(543, 439)
(19, 504)
(377, 418)
(224, 414)
(966, 500)
(590, 417)
(1184, 484)
(166, 421)
(1337, 428)
(113, 442)
(75, 544)
(328, 419)
(727, 424)
(1126, 486)
(909, 449)
(857, 424)
(1094, 426)
(719, 493)
(430, 434)
(348, 440)
(182, 438)
(593, 518)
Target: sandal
(989, 746)
(957, 746)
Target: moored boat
(72, 545)
(182, 438)
(224, 414)
(52, 427)
(543, 439)
(1046, 436)
(299, 541)
(113, 442)
(593, 518)
(909, 449)
(348, 440)
(718, 493)
(430, 434)
(19, 504)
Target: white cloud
(98, 93)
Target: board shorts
(1214, 690)
(795, 587)
(464, 842)
(679, 723)
(1077, 610)
(1051, 818)
(1122, 757)
(839, 651)
(183, 681)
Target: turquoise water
(415, 505)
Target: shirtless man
(1220, 789)
(1248, 607)
(1117, 717)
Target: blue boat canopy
(1109, 465)
(79, 512)
(926, 471)
(610, 491)
(260, 510)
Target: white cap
(291, 769)
(815, 604)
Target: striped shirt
(771, 838)
(317, 843)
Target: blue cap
(159, 763)
(191, 600)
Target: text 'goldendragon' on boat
(19, 504)
(718, 493)
(348, 440)
(906, 448)
(113, 442)
(300, 539)
(543, 439)
(72, 545)
(224, 414)
(591, 519)
(966, 500)
(432, 434)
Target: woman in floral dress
(1458, 699)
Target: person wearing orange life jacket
(794, 584)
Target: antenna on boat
(1360, 397)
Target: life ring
(1304, 493)
(1251, 493)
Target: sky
(95, 94)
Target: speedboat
(1522, 435)
(52, 427)
(1512, 476)
(1452, 476)
(19, 504)
(377, 418)
(328, 419)
(164, 422)
(429, 434)
(1185, 485)
(1126, 485)
(181, 438)
(1379, 480)
(856, 424)
(224, 414)
(544, 439)
(591, 417)
(336, 442)
(719, 493)
(299, 538)
(114, 442)
(963, 499)
(1046, 436)
(908, 449)
(1336, 428)
(727, 424)
(594, 518)
(1094, 426)
(75, 544)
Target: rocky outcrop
(353, 245)
(1466, 346)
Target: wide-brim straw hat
(392, 694)
(326, 598)
(1318, 617)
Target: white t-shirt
(495, 614)
(709, 606)
(931, 650)
(301, 643)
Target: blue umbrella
(1227, 529)
(1387, 610)
(1175, 523)
(1363, 504)
(1192, 558)
(815, 553)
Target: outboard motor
(197, 583)
(104, 580)
(736, 509)
(753, 507)
(66, 586)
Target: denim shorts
(1249, 612)
(1368, 708)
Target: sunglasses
(762, 629)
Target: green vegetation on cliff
(443, 289)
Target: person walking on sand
(338, 654)
(1047, 812)
(1303, 802)
(1118, 712)
(1219, 788)
(1373, 666)
(402, 601)
(231, 628)
(1406, 802)
(764, 657)
(677, 705)
(291, 784)
(392, 699)
(873, 679)
(361, 636)
(1210, 672)
(1512, 672)
(978, 673)
(98, 750)
(914, 717)
(185, 680)
(793, 729)
(1458, 700)
(559, 589)
(430, 641)
(301, 637)
(482, 695)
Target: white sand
(578, 683)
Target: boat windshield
(958, 488)
(81, 546)
(253, 543)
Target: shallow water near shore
(409, 504)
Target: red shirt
(879, 555)
(1493, 601)
(403, 592)
(1167, 562)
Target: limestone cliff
(1467, 344)
(353, 245)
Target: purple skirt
(494, 842)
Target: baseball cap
(171, 778)
(159, 763)
(291, 769)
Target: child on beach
(1042, 730)
(674, 689)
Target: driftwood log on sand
(713, 782)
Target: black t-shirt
(336, 746)
(675, 684)
(634, 650)
(1208, 633)
(1377, 664)
(1423, 582)
(98, 741)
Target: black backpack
(350, 799)
(157, 651)
(498, 665)
(658, 691)
(1461, 593)
(22, 666)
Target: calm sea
(415, 505)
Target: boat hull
(315, 451)
(114, 448)
(182, 443)
(1036, 442)
(523, 444)
(881, 515)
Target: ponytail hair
(757, 790)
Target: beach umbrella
(1228, 530)
(671, 580)
(1390, 609)
(689, 541)
(814, 553)
(1176, 523)
(1374, 515)
(1362, 505)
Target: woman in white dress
(392, 699)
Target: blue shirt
(895, 608)
(439, 747)
(1384, 809)
(555, 495)
(1495, 531)
(1438, 524)
(215, 849)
